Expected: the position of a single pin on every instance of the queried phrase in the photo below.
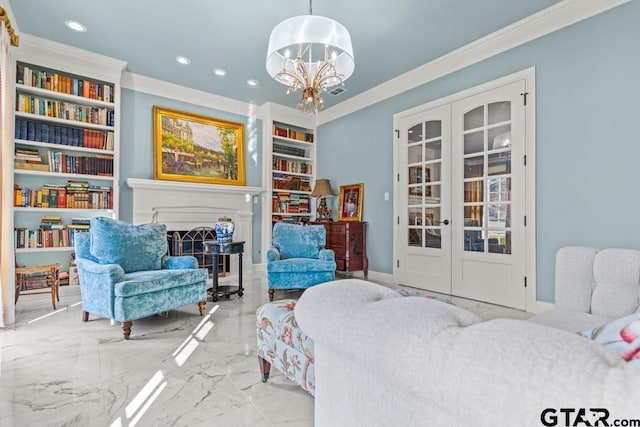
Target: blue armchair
(297, 259)
(125, 273)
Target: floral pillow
(620, 336)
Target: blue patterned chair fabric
(284, 345)
(297, 259)
(126, 275)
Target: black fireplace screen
(189, 242)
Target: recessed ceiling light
(253, 82)
(183, 60)
(75, 26)
(219, 72)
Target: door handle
(445, 222)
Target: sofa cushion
(298, 241)
(621, 336)
(572, 321)
(144, 282)
(616, 273)
(133, 247)
(305, 265)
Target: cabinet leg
(271, 294)
(201, 306)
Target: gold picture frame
(193, 148)
(351, 202)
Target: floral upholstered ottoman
(281, 343)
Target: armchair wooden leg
(265, 368)
(271, 294)
(85, 316)
(201, 306)
(126, 329)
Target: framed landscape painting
(351, 202)
(194, 148)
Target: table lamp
(321, 190)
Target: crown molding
(549, 20)
(57, 55)
(165, 89)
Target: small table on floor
(214, 248)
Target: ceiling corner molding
(140, 83)
(34, 49)
(547, 21)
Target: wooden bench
(39, 277)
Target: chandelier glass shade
(310, 53)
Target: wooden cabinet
(349, 242)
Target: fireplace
(189, 242)
(183, 206)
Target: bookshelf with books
(66, 147)
(292, 172)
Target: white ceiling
(389, 37)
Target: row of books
(100, 165)
(64, 84)
(288, 182)
(52, 233)
(290, 219)
(290, 203)
(291, 166)
(30, 130)
(68, 197)
(64, 110)
(292, 134)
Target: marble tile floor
(180, 369)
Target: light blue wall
(136, 149)
(588, 149)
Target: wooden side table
(39, 277)
(348, 239)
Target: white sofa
(593, 287)
(382, 359)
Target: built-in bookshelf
(292, 173)
(66, 146)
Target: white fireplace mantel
(183, 206)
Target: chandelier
(323, 57)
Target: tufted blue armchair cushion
(133, 247)
(298, 241)
(297, 259)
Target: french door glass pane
(474, 167)
(474, 142)
(473, 191)
(432, 238)
(432, 172)
(499, 112)
(433, 150)
(432, 216)
(414, 154)
(432, 194)
(415, 195)
(415, 217)
(434, 129)
(414, 134)
(415, 237)
(487, 210)
(415, 175)
(474, 118)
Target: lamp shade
(322, 188)
(310, 30)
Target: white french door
(425, 192)
(461, 198)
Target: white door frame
(528, 75)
